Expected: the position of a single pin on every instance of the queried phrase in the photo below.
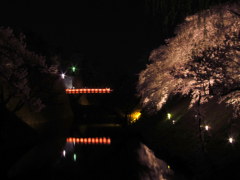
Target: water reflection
(129, 160)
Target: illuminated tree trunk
(199, 118)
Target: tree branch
(233, 12)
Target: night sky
(109, 41)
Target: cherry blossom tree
(202, 61)
(21, 72)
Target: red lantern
(89, 140)
(96, 140)
(77, 140)
(104, 90)
(104, 140)
(85, 140)
(109, 140)
(93, 140)
(77, 91)
(81, 140)
(88, 90)
(84, 90)
(100, 90)
(100, 140)
(70, 140)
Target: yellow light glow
(169, 116)
(135, 116)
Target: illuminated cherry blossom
(202, 61)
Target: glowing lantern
(81, 140)
(100, 140)
(77, 140)
(85, 140)
(231, 140)
(70, 140)
(93, 140)
(63, 76)
(96, 140)
(109, 141)
(206, 127)
(108, 90)
(73, 69)
(100, 90)
(64, 153)
(89, 140)
(169, 116)
(104, 140)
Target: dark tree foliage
(21, 73)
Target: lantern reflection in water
(89, 140)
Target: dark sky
(110, 39)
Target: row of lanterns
(89, 140)
(84, 91)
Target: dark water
(125, 158)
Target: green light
(169, 116)
(74, 157)
(73, 68)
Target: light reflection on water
(154, 168)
